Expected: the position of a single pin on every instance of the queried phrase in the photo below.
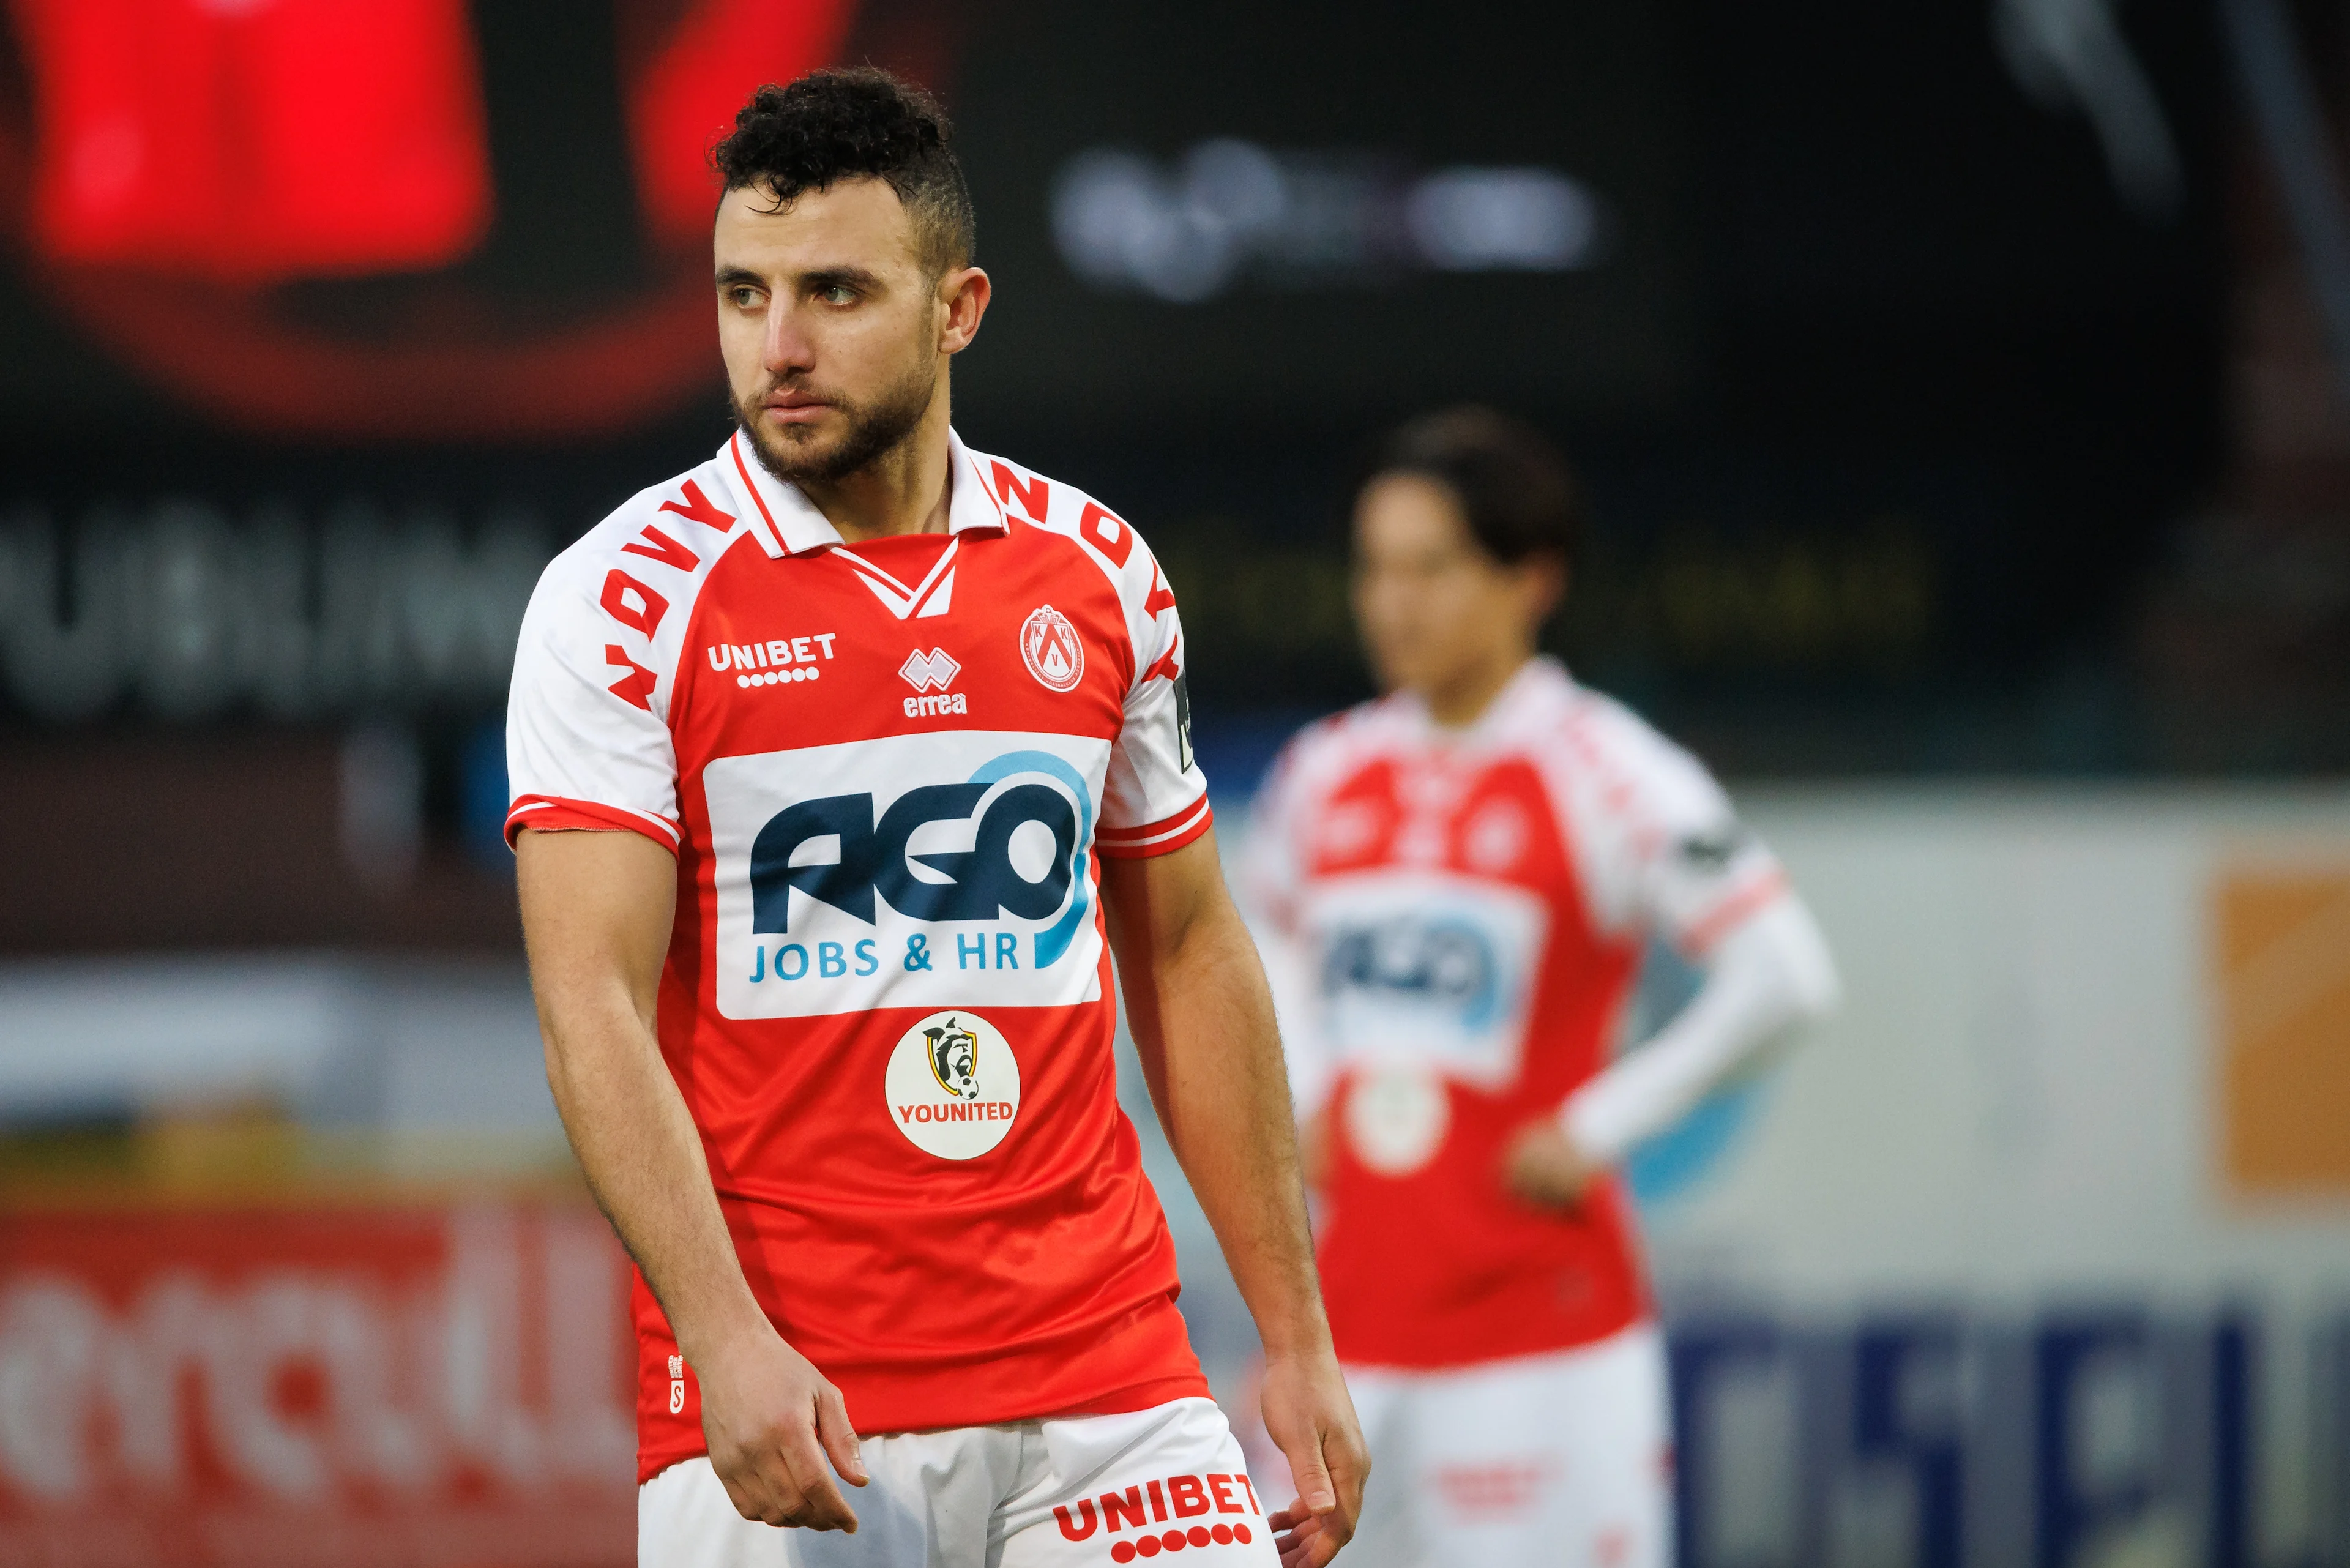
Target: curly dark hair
(1513, 487)
(846, 123)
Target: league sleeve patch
(1710, 851)
(1184, 762)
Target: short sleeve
(1697, 869)
(1659, 850)
(1156, 799)
(584, 748)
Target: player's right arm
(597, 908)
(595, 822)
(1687, 871)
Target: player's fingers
(838, 1438)
(1315, 1491)
(1338, 1524)
(1350, 1472)
(763, 1493)
(748, 1501)
(1299, 1546)
(823, 1507)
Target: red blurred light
(687, 98)
(255, 141)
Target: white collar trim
(788, 523)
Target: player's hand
(1311, 1419)
(777, 1432)
(1544, 1168)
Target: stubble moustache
(868, 432)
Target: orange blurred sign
(2281, 947)
(410, 1386)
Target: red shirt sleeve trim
(1161, 837)
(553, 814)
(1733, 910)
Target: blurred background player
(1461, 876)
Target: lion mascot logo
(954, 1059)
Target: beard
(868, 432)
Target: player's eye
(744, 298)
(838, 294)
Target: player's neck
(906, 490)
(1462, 698)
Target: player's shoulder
(1325, 753)
(1631, 762)
(1041, 502)
(656, 547)
(1378, 722)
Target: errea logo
(924, 671)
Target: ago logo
(942, 870)
(1427, 967)
(403, 218)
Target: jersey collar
(786, 523)
(1533, 691)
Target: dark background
(1910, 447)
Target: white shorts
(1089, 1489)
(1563, 1460)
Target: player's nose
(788, 347)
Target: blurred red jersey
(886, 772)
(1457, 919)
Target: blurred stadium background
(1961, 390)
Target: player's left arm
(1766, 978)
(1202, 1018)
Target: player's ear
(1542, 580)
(963, 292)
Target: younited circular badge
(953, 1086)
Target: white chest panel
(1424, 968)
(939, 870)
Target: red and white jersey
(886, 770)
(1456, 920)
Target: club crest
(1051, 647)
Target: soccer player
(844, 764)
(1461, 876)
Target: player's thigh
(1128, 1487)
(1562, 1460)
(929, 1503)
(1625, 1461)
(1385, 1535)
(685, 1520)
